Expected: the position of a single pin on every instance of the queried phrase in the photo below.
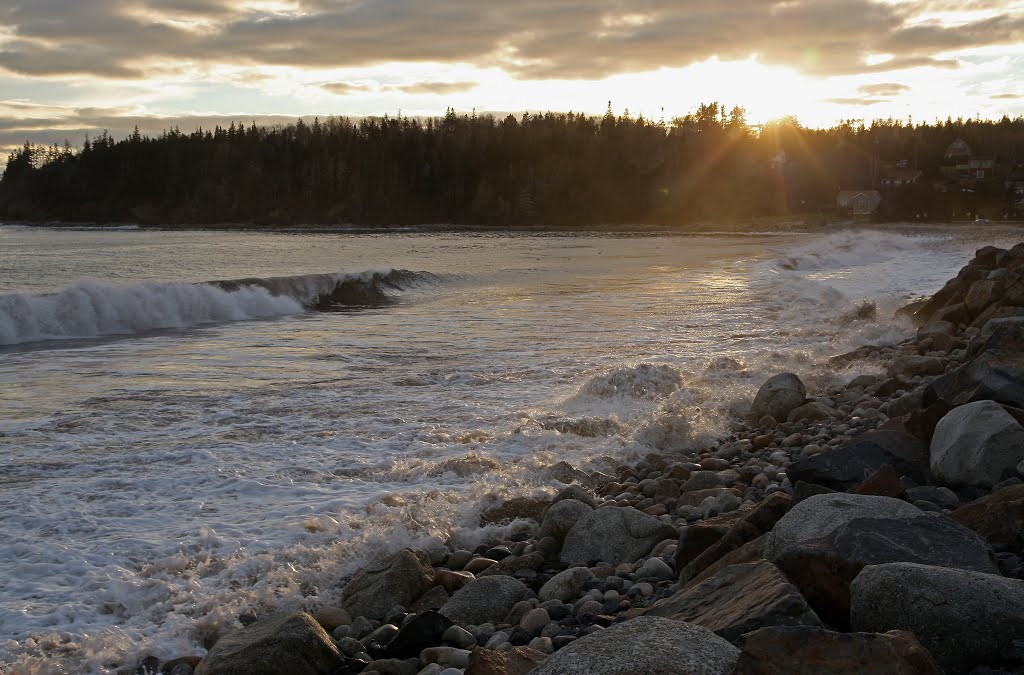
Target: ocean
(195, 425)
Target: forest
(559, 170)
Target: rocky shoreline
(877, 527)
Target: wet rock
(805, 650)
(330, 618)
(487, 599)
(397, 580)
(424, 630)
(561, 516)
(614, 535)
(737, 600)
(964, 618)
(566, 473)
(478, 565)
(578, 493)
(778, 396)
(512, 509)
(289, 643)
(703, 480)
(450, 580)
(977, 444)
(515, 564)
(998, 518)
(824, 542)
(516, 661)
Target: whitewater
(196, 426)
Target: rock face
(824, 542)
(397, 580)
(750, 526)
(801, 650)
(290, 643)
(994, 372)
(737, 600)
(614, 535)
(778, 396)
(964, 618)
(977, 444)
(487, 599)
(647, 645)
(998, 518)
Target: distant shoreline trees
(555, 169)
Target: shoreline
(768, 549)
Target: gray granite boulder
(778, 396)
(396, 580)
(486, 599)
(613, 534)
(561, 516)
(977, 444)
(964, 618)
(824, 542)
(290, 643)
(568, 585)
(646, 645)
(737, 600)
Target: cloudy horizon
(74, 67)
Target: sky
(74, 67)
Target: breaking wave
(89, 309)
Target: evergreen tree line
(552, 169)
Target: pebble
(534, 621)
(460, 637)
(478, 565)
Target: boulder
(994, 372)
(516, 661)
(615, 535)
(737, 600)
(288, 643)
(964, 618)
(753, 524)
(998, 517)
(487, 599)
(824, 542)
(941, 333)
(812, 412)
(805, 650)
(978, 444)
(698, 537)
(778, 396)
(567, 585)
(752, 551)
(846, 466)
(560, 517)
(910, 366)
(422, 631)
(648, 645)
(519, 507)
(396, 580)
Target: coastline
(745, 539)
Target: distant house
(859, 202)
(963, 165)
(895, 177)
(1015, 187)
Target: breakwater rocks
(877, 527)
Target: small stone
(534, 621)
(656, 568)
(478, 565)
(460, 637)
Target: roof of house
(850, 194)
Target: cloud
(1006, 97)
(344, 88)
(883, 89)
(856, 101)
(439, 88)
(530, 39)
